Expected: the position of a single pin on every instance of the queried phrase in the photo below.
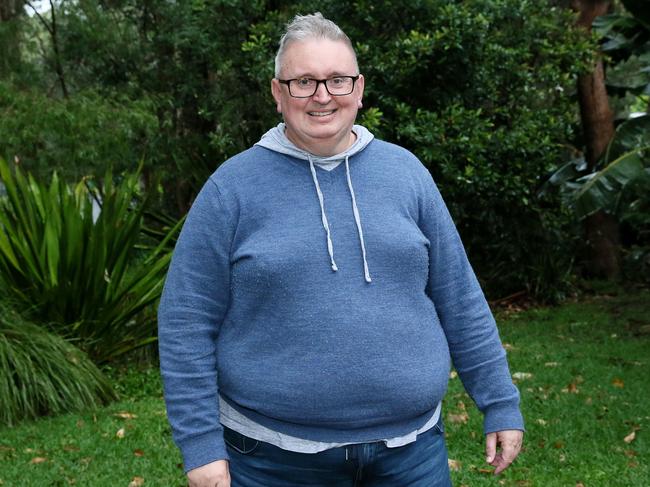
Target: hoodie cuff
(500, 418)
(201, 450)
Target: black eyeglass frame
(318, 82)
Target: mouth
(321, 113)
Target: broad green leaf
(602, 190)
(632, 134)
(639, 9)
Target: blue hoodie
(324, 305)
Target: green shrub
(81, 272)
(480, 91)
(85, 134)
(41, 373)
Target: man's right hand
(213, 474)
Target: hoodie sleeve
(465, 316)
(192, 307)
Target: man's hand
(510, 442)
(213, 474)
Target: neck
(324, 148)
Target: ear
(276, 91)
(358, 90)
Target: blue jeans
(422, 463)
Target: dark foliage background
(480, 90)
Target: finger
(490, 447)
(508, 453)
(503, 464)
(510, 450)
(497, 460)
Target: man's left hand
(510, 444)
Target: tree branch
(40, 17)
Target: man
(316, 296)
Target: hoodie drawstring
(355, 211)
(330, 247)
(357, 219)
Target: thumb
(490, 447)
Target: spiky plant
(77, 264)
(41, 373)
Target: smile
(321, 114)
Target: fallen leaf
(138, 452)
(80, 423)
(453, 374)
(458, 418)
(630, 438)
(580, 484)
(558, 444)
(522, 375)
(70, 448)
(551, 364)
(632, 464)
(38, 460)
(461, 405)
(453, 464)
(120, 433)
(562, 458)
(125, 415)
(541, 421)
(136, 482)
(508, 346)
(484, 470)
(571, 388)
(618, 383)
(6, 448)
(629, 453)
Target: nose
(321, 95)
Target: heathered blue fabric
(252, 305)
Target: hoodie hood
(276, 140)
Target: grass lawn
(583, 369)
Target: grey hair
(312, 26)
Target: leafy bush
(480, 90)
(45, 134)
(79, 271)
(619, 185)
(41, 373)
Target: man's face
(320, 124)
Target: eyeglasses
(306, 87)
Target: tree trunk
(58, 67)
(10, 39)
(10, 9)
(601, 229)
